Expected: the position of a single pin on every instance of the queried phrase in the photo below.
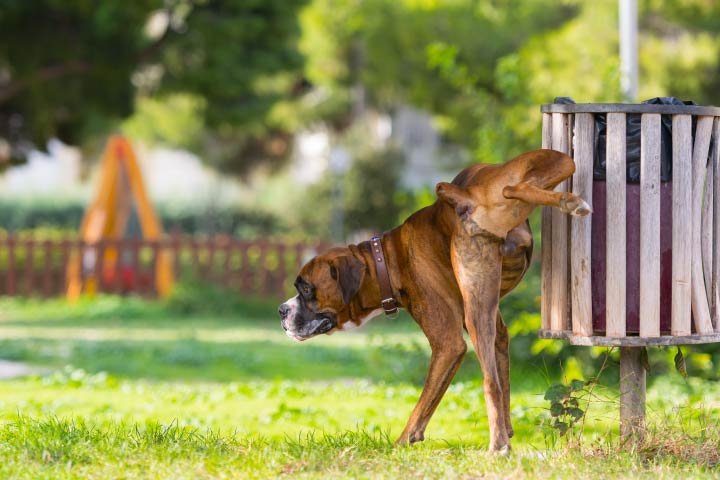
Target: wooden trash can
(672, 232)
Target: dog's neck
(368, 298)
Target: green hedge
(245, 223)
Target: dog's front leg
(441, 320)
(478, 264)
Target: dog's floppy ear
(458, 198)
(349, 272)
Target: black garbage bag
(633, 140)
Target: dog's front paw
(409, 438)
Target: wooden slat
(155, 253)
(176, 249)
(716, 226)
(558, 309)
(47, 269)
(261, 278)
(226, 273)
(246, 271)
(195, 257)
(29, 266)
(581, 228)
(135, 246)
(700, 306)
(210, 268)
(546, 238)
(121, 246)
(65, 247)
(615, 235)
(570, 121)
(99, 265)
(682, 224)
(281, 273)
(706, 233)
(11, 287)
(650, 226)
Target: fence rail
(38, 267)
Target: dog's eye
(305, 290)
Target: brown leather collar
(387, 299)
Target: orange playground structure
(120, 199)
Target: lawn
(129, 389)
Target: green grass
(128, 389)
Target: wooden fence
(38, 267)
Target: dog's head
(325, 287)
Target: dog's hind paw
(582, 210)
(576, 207)
(503, 451)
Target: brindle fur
(447, 277)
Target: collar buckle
(390, 307)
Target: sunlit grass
(232, 397)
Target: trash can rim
(630, 108)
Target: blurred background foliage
(236, 80)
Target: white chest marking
(349, 325)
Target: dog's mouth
(315, 327)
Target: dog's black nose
(284, 310)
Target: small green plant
(565, 404)
(569, 404)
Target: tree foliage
(483, 68)
(235, 79)
(440, 56)
(71, 68)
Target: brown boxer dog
(432, 261)
(490, 207)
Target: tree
(483, 67)
(440, 56)
(73, 68)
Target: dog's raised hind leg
(567, 202)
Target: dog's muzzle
(301, 325)
(319, 326)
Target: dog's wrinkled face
(325, 287)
